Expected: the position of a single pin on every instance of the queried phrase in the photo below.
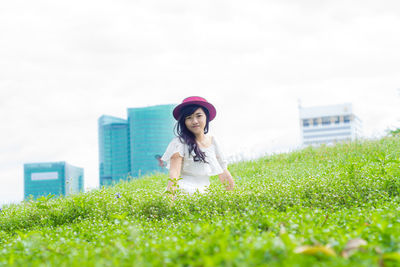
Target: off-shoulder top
(195, 175)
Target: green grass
(295, 209)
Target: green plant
(326, 206)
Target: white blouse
(195, 174)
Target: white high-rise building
(329, 124)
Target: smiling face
(196, 122)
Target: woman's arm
(174, 171)
(227, 180)
(225, 177)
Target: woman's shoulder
(177, 141)
(214, 140)
(175, 145)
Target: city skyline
(129, 147)
(249, 152)
(63, 66)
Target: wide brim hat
(195, 100)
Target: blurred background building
(114, 149)
(329, 124)
(151, 131)
(58, 178)
(134, 147)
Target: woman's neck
(201, 137)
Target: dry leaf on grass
(352, 246)
(315, 250)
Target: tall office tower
(58, 178)
(151, 131)
(329, 124)
(114, 151)
(134, 146)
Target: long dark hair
(187, 136)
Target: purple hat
(195, 100)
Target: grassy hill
(335, 206)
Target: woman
(193, 155)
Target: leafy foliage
(321, 206)
(394, 132)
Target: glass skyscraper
(58, 178)
(151, 130)
(114, 151)
(133, 147)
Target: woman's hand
(227, 180)
(174, 173)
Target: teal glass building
(114, 151)
(133, 147)
(58, 178)
(151, 131)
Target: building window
(337, 119)
(346, 119)
(306, 123)
(315, 122)
(326, 120)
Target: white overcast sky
(63, 64)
